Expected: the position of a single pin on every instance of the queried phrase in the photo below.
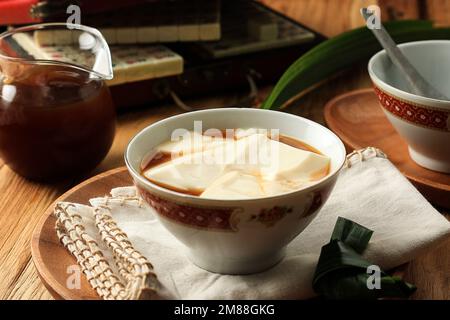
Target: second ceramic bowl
(423, 122)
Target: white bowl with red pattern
(236, 236)
(423, 122)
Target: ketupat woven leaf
(341, 272)
(341, 52)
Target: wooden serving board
(52, 260)
(50, 257)
(358, 120)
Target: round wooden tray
(358, 120)
(52, 260)
(50, 257)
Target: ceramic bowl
(423, 122)
(236, 236)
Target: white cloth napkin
(371, 192)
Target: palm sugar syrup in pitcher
(57, 118)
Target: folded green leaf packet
(342, 273)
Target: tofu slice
(284, 162)
(234, 185)
(192, 142)
(193, 172)
(273, 188)
(250, 167)
(247, 154)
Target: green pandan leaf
(341, 271)
(342, 52)
(351, 284)
(352, 234)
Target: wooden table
(22, 202)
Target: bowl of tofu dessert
(235, 185)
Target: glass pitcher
(57, 117)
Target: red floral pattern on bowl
(198, 217)
(226, 219)
(318, 199)
(269, 217)
(420, 115)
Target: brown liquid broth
(58, 124)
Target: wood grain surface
(332, 17)
(23, 202)
(359, 121)
(438, 11)
(51, 259)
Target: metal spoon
(418, 84)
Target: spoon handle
(418, 84)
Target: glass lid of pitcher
(70, 45)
